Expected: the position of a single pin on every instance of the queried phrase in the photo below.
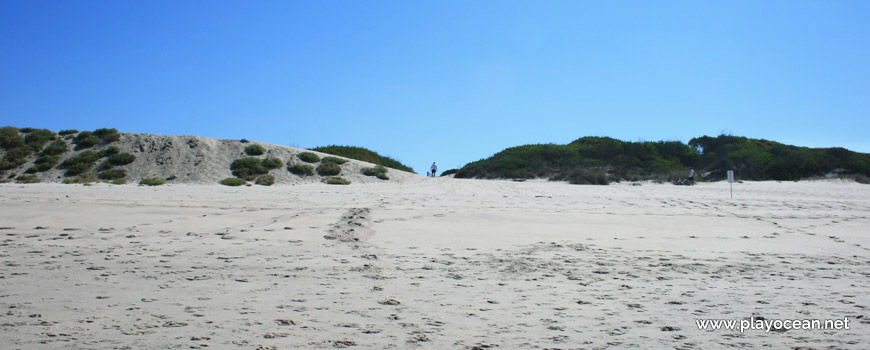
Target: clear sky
(449, 81)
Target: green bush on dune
(152, 181)
(301, 169)
(121, 159)
(68, 132)
(233, 181)
(309, 157)
(27, 179)
(80, 163)
(112, 174)
(272, 163)
(378, 171)
(337, 181)
(255, 150)
(336, 160)
(248, 168)
(265, 180)
(328, 169)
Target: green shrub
(26, 130)
(56, 148)
(328, 169)
(244, 141)
(272, 163)
(331, 159)
(68, 132)
(107, 135)
(112, 174)
(15, 157)
(255, 150)
(5, 181)
(152, 181)
(248, 168)
(233, 181)
(584, 177)
(32, 170)
(27, 179)
(121, 159)
(86, 139)
(449, 172)
(365, 155)
(80, 163)
(863, 179)
(265, 180)
(378, 171)
(110, 151)
(37, 139)
(337, 181)
(118, 181)
(80, 180)
(46, 162)
(309, 157)
(301, 169)
(9, 138)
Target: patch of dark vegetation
(45, 162)
(86, 139)
(27, 179)
(337, 181)
(328, 169)
(331, 159)
(309, 157)
(152, 181)
(752, 159)
(112, 174)
(107, 135)
(301, 169)
(272, 163)
(863, 179)
(365, 155)
(248, 168)
(26, 130)
(68, 132)
(244, 141)
(80, 180)
(110, 151)
(233, 181)
(583, 177)
(37, 138)
(449, 172)
(255, 150)
(378, 171)
(56, 148)
(80, 163)
(265, 180)
(17, 150)
(121, 159)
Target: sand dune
(431, 263)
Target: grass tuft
(265, 180)
(121, 159)
(80, 180)
(112, 174)
(272, 163)
(152, 181)
(233, 181)
(378, 171)
(331, 159)
(337, 181)
(27, 179)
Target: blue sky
(447, 81)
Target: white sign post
(731, 182)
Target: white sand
(431, 263)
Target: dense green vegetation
(121, 159)
(272, 163)
(301, 169)
(248, 168)
(328, 169)
(255, 150)
(80, 163)
(233, 181)
(365, 155)
(309, 157)
(18, 148)
(112, 174)
(598, 160)
(68, 132)
(331, 159)
(27, 179)
(378, 171)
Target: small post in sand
(731, 182)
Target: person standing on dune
(434, 169)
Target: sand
(431, 263)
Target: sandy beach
(432, 263)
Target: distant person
(691, 176)
(434, 169)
